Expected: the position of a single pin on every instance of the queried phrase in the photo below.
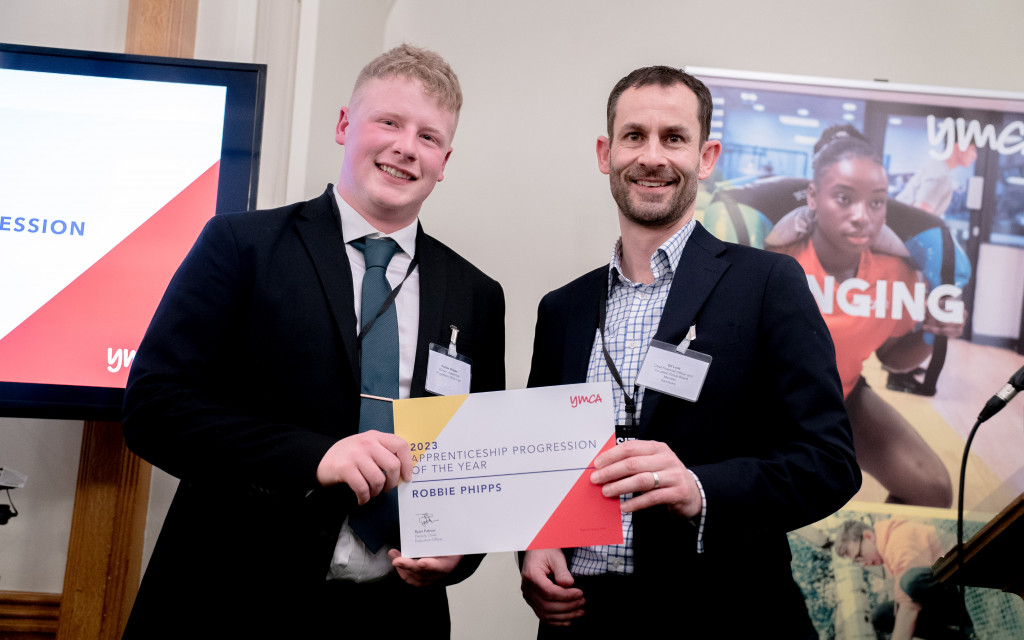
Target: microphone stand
(995, 403)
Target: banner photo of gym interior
(905, 207)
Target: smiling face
(849, 200)
(654, 157)
(397, 141)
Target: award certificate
(506, 471)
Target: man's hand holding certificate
(506, 471)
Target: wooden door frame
(108, 524)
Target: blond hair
(415, 63)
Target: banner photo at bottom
(506, 471)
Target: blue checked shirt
(633, 312)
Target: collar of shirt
(354, 226)
(665, 260)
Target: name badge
(447, 374)
(667, 370)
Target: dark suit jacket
(768, 437)
(246, 376)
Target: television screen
(109, 168)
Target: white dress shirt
(352, 560)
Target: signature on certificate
(426, 518)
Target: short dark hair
(665, 77)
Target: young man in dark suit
(742, 434)
(258, 384)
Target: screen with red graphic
(109, 168)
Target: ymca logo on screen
(55, 227)
(117, 358)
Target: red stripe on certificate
(576, 522)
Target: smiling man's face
(655, 158)
(397, 141)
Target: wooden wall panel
(107, 530)
(28, 616)
(162, 27)
(112, 496)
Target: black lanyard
(629, 429)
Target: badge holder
(448, 371)
(675, 370)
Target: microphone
(998, 401)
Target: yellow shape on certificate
(421, 420)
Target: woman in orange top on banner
(855, 264)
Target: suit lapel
(433, 270)
(582, 325)
(319, 226)
(695, 278)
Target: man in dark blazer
(247, 388)
(711, 484)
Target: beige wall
(522, 196)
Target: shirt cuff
(698, 521)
